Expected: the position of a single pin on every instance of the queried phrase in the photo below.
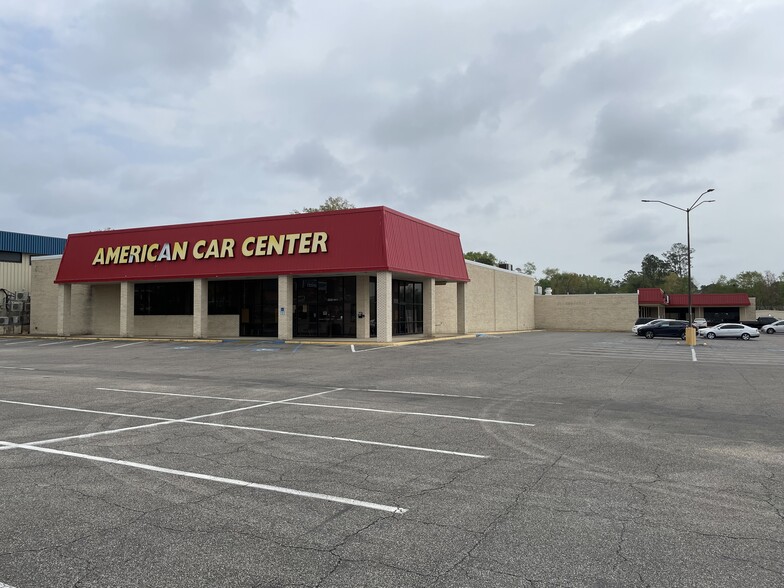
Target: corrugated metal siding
(16, 277)
(417, 247)
(33, 244)
(650, 296)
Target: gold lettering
(247, 246)
(212, 249)
(197, 249)
(275, 244)
(292, 239)
(99, 256)
(152, 252)
(261, 245)
(227, 248)
(113, 255)
(319, 243)
(304, 243)
(124, 253)
(180, 250)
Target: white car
(700, 323)
(777, 327)
(735, 330)
(650, 322)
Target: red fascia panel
(650, 296)
(355, 242)
(710, 300)
(416, 247)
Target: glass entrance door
(325, 307)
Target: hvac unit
(15, 320)
(16, 307)
(4, 321)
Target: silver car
(777, 327)
(733, 330)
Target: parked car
(664, 328)
(761, 322)
(699, 323)
(643, 321)
(735, 330)
(777, 327)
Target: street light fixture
(694, 205)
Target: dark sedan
(666, 328)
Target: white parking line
(346, 439)
(371, 349)
(3, 367)
(207, 477)
(5, 585)
(87, 344)
(156, 424)
(15, 343)
(52, 343)
(415, 393)
(127, 344)
(693, 354)
(427, 414)
(72, 409)
(182, 395)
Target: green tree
(482, 257)
(653, 271)
(529, 268)
(331, 203)
(677, 258)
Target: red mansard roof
(355, 240)
(657, 296)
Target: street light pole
(688, 210)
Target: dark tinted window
(163, 298)
(10, 257)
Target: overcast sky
(533, 129)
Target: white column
(200, 308)
(429, 306)
(126, 309)
(64, 310)
(363, 307)
(461, 308)
(384, 306)
(285, 307)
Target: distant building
(16, 251)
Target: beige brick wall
(43, 301)
(496, 300)
(586, 312)
(446, 308)
(106, 310)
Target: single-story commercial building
(617, 312)
(16, 253)
(366, 273)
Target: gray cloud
(634, 138)
(311, 160)
(445, 106)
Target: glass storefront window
(407, 308)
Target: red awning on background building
(658, 296)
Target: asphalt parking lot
(541, 459)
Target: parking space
(542, 458)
